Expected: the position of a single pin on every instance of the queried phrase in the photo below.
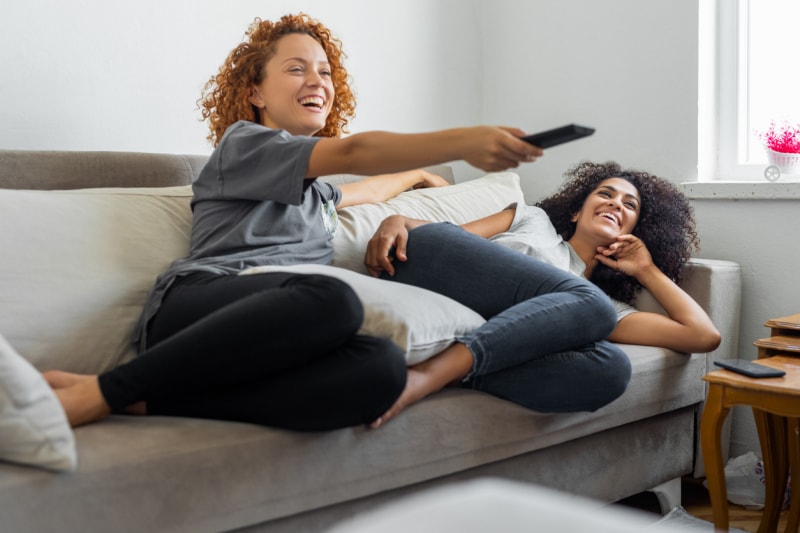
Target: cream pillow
(458, 204)
(422, 323)
(33, 427)
(77, 267)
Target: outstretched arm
(687, 328)
(376, 189)
(488, 148)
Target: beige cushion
(457, 203)
(77, 267)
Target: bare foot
(418, 386)
(58, 379)
(428, 377)
(83, 403)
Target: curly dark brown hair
(225, 97)
(666, 222)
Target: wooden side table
(776, 408)
(784, 337)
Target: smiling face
(611, 209)
(297, 93)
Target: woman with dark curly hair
(621, 229)
(277, 349)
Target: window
(749, 77)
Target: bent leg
(226, 330)
(532, 309)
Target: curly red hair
(225, 97)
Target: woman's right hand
(391, 233)
(494, 149)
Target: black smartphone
(556, 136)
(749, 368)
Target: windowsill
(783, 189)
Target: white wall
(107, 75)
(622, 66)
(111, 75)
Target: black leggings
(275, 349)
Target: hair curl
(225, 97)
(666, 222)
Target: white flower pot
(787, 163)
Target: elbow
(714, 341)
(707, 341)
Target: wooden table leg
(793, 442)
(772, 436)
(710, 433)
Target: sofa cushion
(33, 427)
(458, 204)
(421, 322)
(78, 266)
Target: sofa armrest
(716, 286)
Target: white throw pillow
(422, 323)
(33, 427)
(77, 267)
(458, 204)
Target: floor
(695, 500)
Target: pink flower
(784, 138)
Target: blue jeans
(543, 343)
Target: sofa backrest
(61, 170)
(34, 169)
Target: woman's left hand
(428, 179)
(628, 255)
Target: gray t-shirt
(533, 234)
(252, 206)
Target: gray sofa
(174, 474)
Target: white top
(533, 234)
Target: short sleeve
(253, 162)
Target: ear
(574, 218)
(255, 97)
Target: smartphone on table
(749, 368)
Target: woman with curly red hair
(621, 229)
(277, 349)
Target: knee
(334, 301)
(603, 312)
(613, 374)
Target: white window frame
(723, 100)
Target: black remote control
(556, 136)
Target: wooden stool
(776, 408)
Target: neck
(586, 251)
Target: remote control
(556, 136)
